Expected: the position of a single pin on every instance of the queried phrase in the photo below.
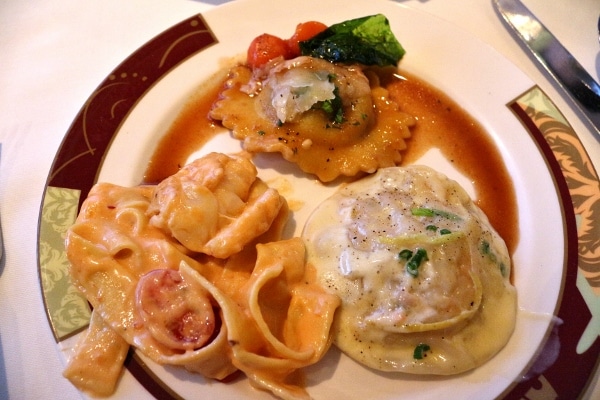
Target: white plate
(472, 73)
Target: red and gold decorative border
(78, 162)
(569, 357)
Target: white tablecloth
(54, 53)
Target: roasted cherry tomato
(265, 48)
(176, 314)
(304, 31)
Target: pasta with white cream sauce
(423, 277)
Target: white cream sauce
(457, 300)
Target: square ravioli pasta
(331, 120)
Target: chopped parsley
(334, 107)
(420, 351)
(432, 212)
(486, 249)
(413, 260)
(434, 228)
(405, 254)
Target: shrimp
(215, 205)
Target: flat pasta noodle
(97, 361)
(292, 313)
(109, 278)
(279, 321)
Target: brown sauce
(190, 131)
(442, 124)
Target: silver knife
(557, 61)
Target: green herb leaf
(422, 212)
(334, 108)
(327, 106)
(432, 212)
(405, 254)
(485, 248)
(412, 266)
(367, 40)
(503, 269)
(420, 351)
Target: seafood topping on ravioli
(319, 102)
(423, 277)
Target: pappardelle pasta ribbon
(252, 307)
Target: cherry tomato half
(304, 31)
(265, 48)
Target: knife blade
(554, 58)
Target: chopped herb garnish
(327, 106)
(339, 116)
(431, 228)
(432, 212)
(412, 266)
(405, 254)
(334, 107)
(445, 231)
(422, 212)
(486, 249)
(503, 269)
(420, 351)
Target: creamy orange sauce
(442, 124)
(180, 303)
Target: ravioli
(331, 120)
(423, 277)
